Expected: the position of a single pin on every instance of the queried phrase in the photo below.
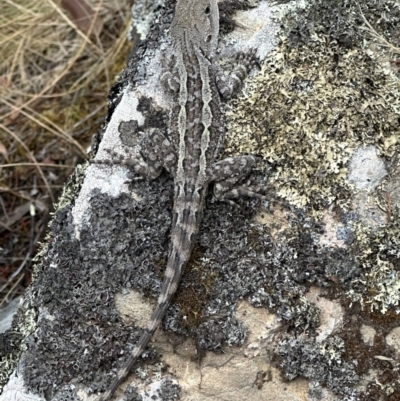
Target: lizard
(191, 148)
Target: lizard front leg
(228, 85)
(170, 78)
(228, 173)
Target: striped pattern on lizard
(191, 148)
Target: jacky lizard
(190, 150)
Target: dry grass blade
(29, 154)
(58, 61)
(36, 164)
(84, 16)
(53, 82)
(379, 37)
(11, 290)
(74, 26)
(30, 114)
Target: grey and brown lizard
(191, 148)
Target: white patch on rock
(262, 327)
(154, 392)
(329, 237)
(133, 308)
(368, 334)
(393, 339)
(109, 179)
(7, 314)
(366, 169)
(256, 30)
(331, 315)
(366, 172)
(240, 373)
(15, 390)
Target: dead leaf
(82, 14)
(3, 151)
(12, 117)
(4, 82)
(48, 160)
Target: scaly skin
(191, 151)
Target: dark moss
(124, 244)
(193, 299)
(319, 362)
(387, 389)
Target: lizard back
(196, 133)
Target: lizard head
(198, 22)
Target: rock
(368, 334)
(393, 339)
(7, 314)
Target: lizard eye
(208, 38)
(207, 10)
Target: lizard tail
(184, 230)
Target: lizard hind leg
(156, 152)
(227, 175)
(229, 85)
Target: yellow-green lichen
(328, 89)
(309, 108)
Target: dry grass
(58, 61)
(392, 50)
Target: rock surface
(296, 298)
(7, 314)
